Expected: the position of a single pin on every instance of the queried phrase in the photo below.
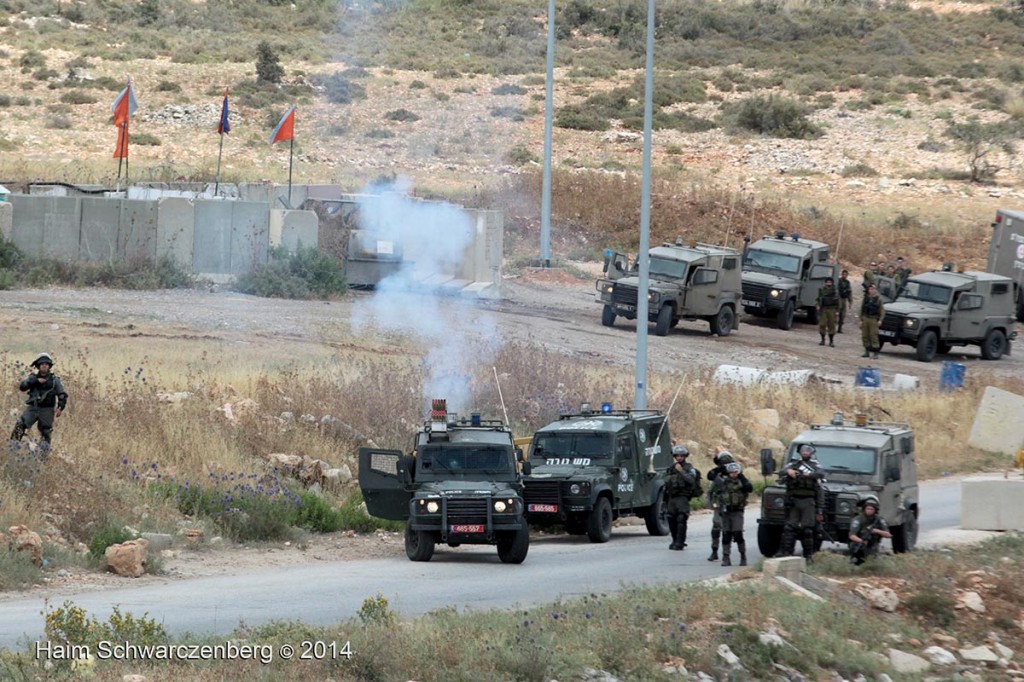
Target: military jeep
(460, 485)
(593, 467)
(937, 310)
(696, 282)
(858, 456)
(783, 276)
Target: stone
(23, 539)
(787, 567)
(771, 639)
(287, 417)
(882, 598)
(939, 656)
(946, 640)
(134, 677)
(284, 462)
(972, 601)
(1003, 651)
(175, 398)
(128, 558)
(979, 654)
(158, 542)
(765, 422)
(340, 475)
(907, 664)
(726, 654)
(311, 471)
(882, 677)
(730, 435)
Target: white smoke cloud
(461, 339)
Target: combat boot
(726, 551)
(822, 342)
(831, 340)
(19, 430)
(679, 540)
(874, 354)
(840, 330)
(743, 552)
(867, 353)
(714, 545)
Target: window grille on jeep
(624, 294)
(541, 492)
(1000, 288)
(467, 510)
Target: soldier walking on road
(682, 482)
(46, 400)
(731, 491)
(867, 531)
(828, 310)
(872, 311)
(721, 460)
(805, 500)
(845, 298)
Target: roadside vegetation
(648, 633)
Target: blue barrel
(868, 377)
(951, 376)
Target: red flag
(121, 152)
(125, 105)
(285, 129)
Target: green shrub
(77, 97)
(32, 59)
(316, 514)
(58, 122)
(520, 156)
(577, 117)
(113, 534)
(380, 134)
(377, 610)
(514, 113)
(44, 74)
(145, 139)
(773, 115)
(168, 86)
(5, 100)
(402, 115)
(304, 273)
(417, 85)
(71, 624)
(268, 66)
(859, 170)
(339, 89)
(508, 89)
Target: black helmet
(680, 450)
(723, 457)
(733, 466)
(869, 501)
(43, 358)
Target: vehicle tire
(656, 517)
(608, 316)
(1020, 310)
(419, 544)
(944, 348)
(904, 536)
(812, 315)
(785, 319)
(722, 323)
(664, 322)
(994, 345)
(769, 539)
(927, 345)
(599, 523)
(513, 546)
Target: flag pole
(216, 185)
(126, 153)
(120, 159)
(291, 149)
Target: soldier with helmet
(46, 400)
(805, 500)
(867, 530)
(721, 460)
(730, 492)
(682, 482)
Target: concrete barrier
(992, 502)
(137, 229)
(997, 424)
(6, 218)
(175, 230)
(293, 228)
(98, 228)
(212, 237)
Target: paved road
(469, 577)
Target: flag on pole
(125, 105)
(224, 126)
(121, 151)
(285, 129)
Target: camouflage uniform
(46, 399)
(862, 527)
(680, 487)
(828, 310)
(845, 300)
(731, 494)
(720, 461)
(872, 311)
(805, 500)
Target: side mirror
(519, 454)
(527, 468)
(407, 470)
(767, 462)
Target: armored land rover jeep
(461, 485)
(858, 456)
(590, 468)
(782, 277)
(695, 282)
(940, 309)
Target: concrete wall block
(211, 239)
(992, 503)
(36, 219)
(175, 230)
(997, 424)
(100, 232)
(138, 229)
(292, 228)
(249, 235)
(6, 220)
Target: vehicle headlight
(574, 489)
(500, 506)
(775, 293)
(778, 502)
(653, 296)
(579, 489)
(433, 507)
(845, 507)
(912, 323)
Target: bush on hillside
(304, 273)
(774, 116)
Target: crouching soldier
(46, 400)
(731, 491)
(867, 531)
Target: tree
(981, 142)
(268, 68)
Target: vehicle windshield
(667, 268)
(462, 461)
(572, 445)
(931, 293)
(842, 459)
(772, 261)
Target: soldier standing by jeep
(805, 500)
(828, 311)
(721, 460)
(46, 400)
(845, 298)
(871, 311)
(731, 491)
(682, 482)
(867, 531)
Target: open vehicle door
(616, 264)
(384, 479)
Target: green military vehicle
(858, 456)
(460, 486)
(783, 276)
(937, 310)
(695, 282)
(593, 467)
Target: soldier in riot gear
(682, 482)
(805, 499)
(867, 530)
(828, 303)
(845, 297)
(730, 492)
(721, 460)
(47, 399)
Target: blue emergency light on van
(868, 377)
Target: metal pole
(640, 402)
(545, 201)
(291, 153)
(216, 186)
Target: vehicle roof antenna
(500, 397)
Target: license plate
(467, 528)
(542, 508)
(750, 304)
(626, 308)
(882, 332)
